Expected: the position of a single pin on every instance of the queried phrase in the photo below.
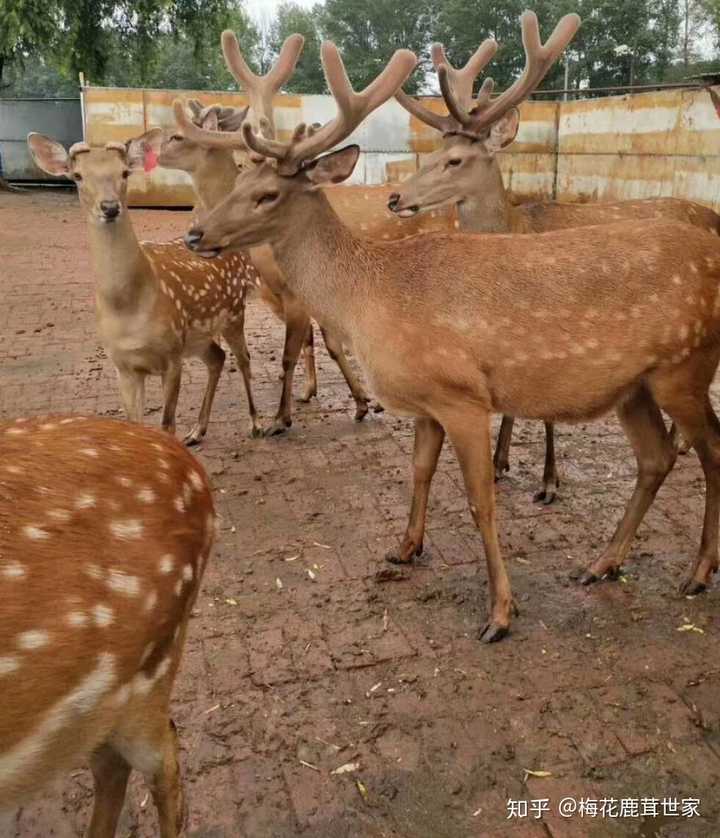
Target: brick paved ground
(280, 687)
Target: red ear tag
(151, 159)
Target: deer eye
(268, 198)
(126, 174)
(455, 161)
(177, 138)
(77, 177)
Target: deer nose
(193, 237)
(393, 200)
(110, 209)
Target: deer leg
(214, 359)
(171, 391)
(166, 786)
(148, 742)
(297, 324)
(132, 395)
(308, 351)
(337, 353)
(110, 773)
(501, 459)
(682, 393)
(551, 482)
(235, 337)
(429, 437)
(470, 435)
(655, 453)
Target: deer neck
(124, 275)
(486, 207)
(321, 261)
(214, 179)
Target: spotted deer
(213, 169)
(105, 532)
(155, 302)
(633, 310)
(465, 173)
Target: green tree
(26, 26)
(367, 33)
(308, 76)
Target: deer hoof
(589, 578)
(378, 408)
(492, 632)
(500, 469)
(256, 432)
(278, 427)
(545, 496)
(361, 411)
(691, 587)
(194, 437)
(403, 555)
(310, 394)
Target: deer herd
(457, 305)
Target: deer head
(256, 210)
(476, 129)
(179, 152)
(101, 174)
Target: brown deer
(213, 170)
(451, 328)
(155, 302)
(105, 532)
(464, 172)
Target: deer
(465, 173)
(213, 171)
(156, 303)
(633, 308)
(105, 532)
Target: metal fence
(59, 118)
(657, 143)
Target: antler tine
(460, 80)
(434, 120)
(482, 100)
(539, 58)
(261, 89)
(352, 107)
(457, 111)
(286, 62)
(463, 78)
(209, 139)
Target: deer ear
(48, 155)
(143, 151)
(504, 131)
(334, 167)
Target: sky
(261, 8)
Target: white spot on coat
(33, 639)
(130, 529)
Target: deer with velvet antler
(465, 172)
(213, 169)
(623, 316)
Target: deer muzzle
(394, 205)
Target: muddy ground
(289, 675)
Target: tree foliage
(175, 43)
(367, 33)
(291, 18)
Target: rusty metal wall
(392, 142)
(665, 143)
(650, 144)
